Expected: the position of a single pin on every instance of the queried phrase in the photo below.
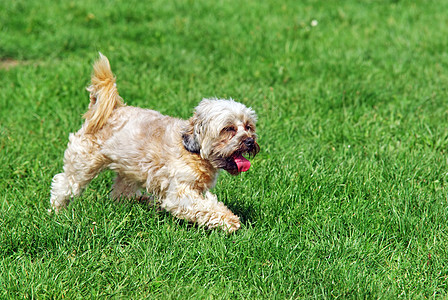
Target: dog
(176, 161)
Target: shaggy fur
(175, 160)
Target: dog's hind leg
(82, 162)
(126, 189)
(130, 190)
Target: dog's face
(222, 131)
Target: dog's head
(222, 131)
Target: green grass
(347, 198)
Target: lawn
(347, 198)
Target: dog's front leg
(203, 209)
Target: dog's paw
(231, 224)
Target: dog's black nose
(249, 142)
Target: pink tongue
(242, 163)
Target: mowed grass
(347, 198)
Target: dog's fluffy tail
(104, 96)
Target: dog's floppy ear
(189, 138)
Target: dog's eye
(230, 129)
(248, 127)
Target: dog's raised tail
(104, 97)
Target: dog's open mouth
(236, 164)
(242, 163)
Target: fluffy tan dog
(176, 160)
